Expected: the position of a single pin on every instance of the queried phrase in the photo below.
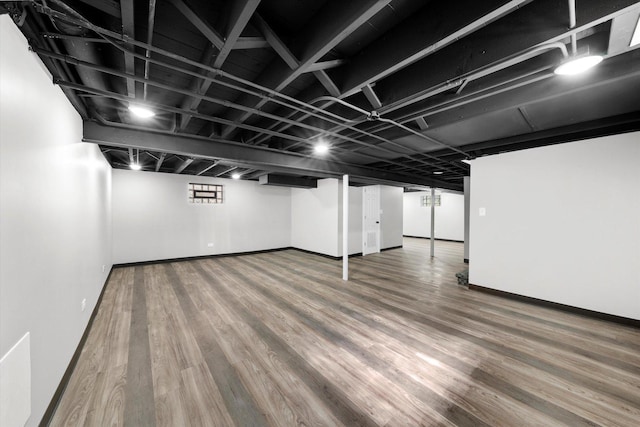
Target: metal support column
(345, 227)
(433, 220)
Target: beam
(208, 168)
(486, 47)
(160, 160)
(110, 7)
(325, 65)
(204, 27)
(422, 123)
(334, 23)
(128, 30)
(150, 27)
(227, 170)
(432, 28)
(250, 43)
(275, 42)
(239, 16)
(183, 165)
(326, 81)
(371, 97)
(257, 157)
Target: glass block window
(205, 194)
(426, 200)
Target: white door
(370, 219)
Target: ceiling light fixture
(235, 175)
(140, 111)
(135, 165)
(438, 172)
(578, 65)
(321, 148)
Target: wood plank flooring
(278, 339)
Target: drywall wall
(318, 211)
(467, 214)
(391, 216)
(315, 217)
(153, 220)
(449, 216)
(55, 233)
(561, 223)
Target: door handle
(377, 222)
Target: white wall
(315, 218)
(449, 216)
(55, 233)
(153, 220)
(562, 224)
(317, 212)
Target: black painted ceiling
(402, 90)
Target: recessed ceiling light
(135, 166)
(235, 175)
(438, 172)
(142, 112)
(578, 65)
(321, 148)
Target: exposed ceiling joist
(182, 166)
(427, 31)
(128, 30)
(207, 168)
(326, 81)
(205, 28)
(250, 43)
(487, 47)
(110, 7)
(275, 42)
(239, 15)
(329, 29)
(371, 96)
(258, 157)
(160, 161)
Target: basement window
(426, 200)
(205, 194)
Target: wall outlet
(83, 304)
(209, 245)
(103, 267)
(482, 211)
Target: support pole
(433, 220)
(345, 227)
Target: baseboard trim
(263, 251)
(197, 257)
(558, 306)
(338, 258)
(64, 382)
(429, 238)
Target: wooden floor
(279, 339)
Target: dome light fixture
(235, 175)
(578, 65)
(140, 111)
(135, 166)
